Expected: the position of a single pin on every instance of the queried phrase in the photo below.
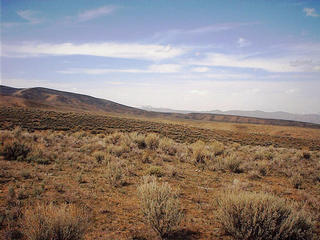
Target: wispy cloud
(155, 68)
(174, 33)
(95, 13)
(105, 49)
(165, 68)
(200, 69)
(218, 27)
(30, 17)
(246, 61)
(242, 42)
(311, 12)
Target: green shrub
(262, 216)
(160, 206)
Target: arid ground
(97, 162)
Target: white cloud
(155, 68)
(106, 49)
(95, 13)
(239, 76)
(200, 69)
(99, 71)
(165, 68)
(242, 42)
(199, 92)
(311, 12)
(244, 61)
(218, 27)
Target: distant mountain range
(49, 99)
(312, 118)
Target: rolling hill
(49, 99)
(311, 118)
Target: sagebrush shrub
(115, 174)
(262, 216)
(199, 152)
(296, 180)
(117, 150)
(138, 139)
(231, 163)
(168, 146)
(99, 156)
(160, 206)
(216, 147)
(14, 150)
(152, 141)
(155, 171)
(38, 156)
(114, 138)
(49, 222)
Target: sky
(181, 54)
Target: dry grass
(49, 222)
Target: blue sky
(182, 54)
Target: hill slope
(59, 100)
(50, 99)
(311, 118)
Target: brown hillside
(50, 99)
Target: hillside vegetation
(190, 131)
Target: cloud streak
(271, 64)
(155, 68)
(175, 33)
(95, 13)
(105, 49)
(28, 15)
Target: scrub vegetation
(114, 184)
